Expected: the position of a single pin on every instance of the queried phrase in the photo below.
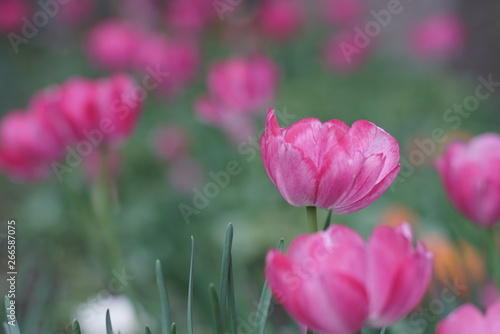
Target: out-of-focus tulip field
(249, 166)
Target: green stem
(103, 203)
(312, 217)
(494, 257)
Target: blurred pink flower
(184, 174)
(244, 84)
(280, 19)
(178, 57)
(76, 12)
(12, 13)
(112, 44)
(468, 319)
(189, 15)
(489, 294)
(342, 54)
(105, 109)
(170, 142)
(329, 165)
(343, 13)
(438, 36)
(27, 147)
(470, 176)
(333, 282)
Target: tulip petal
(493, 317)
(464, 320)
(375, 193)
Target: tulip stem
(494, 258)
(102, 201)
(312, 217)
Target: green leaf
(173, 329)
(264, 303)
(232, 299)
(190, 292)
(166, 318)
(109, 328)
(6, 328)
(148, 331)
(214, 302)
(226, 258)
(12, 329)
(76, 327)
(328, 220)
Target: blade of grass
(190, 292)
(148, 331)
(173, 329)
(226, 255)
(264, 303)
(166, 318)
(6, 328)
(232, 299)
(214, 302)
(76, 327)
(109, 328)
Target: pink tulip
(280, 19)
(76, 12)
(189, 15)
(398, 275)
(468, 319)
(438, 36)
(244, 84)
(342, 54)
(332, 282)
(106, 108)
(469, 172)
(343, 13)
(185, 174)
(488, 294)
(101, 111)
(170, 142)
(112, 44)
(329, 165)
(27, 147)
(177, 59)
(321, 281)
(12, 13)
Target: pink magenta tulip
(27, 147)
(329, 165)
(470, 174)
(321, 281)
(468, 319)
(112, 44)
(398, 275)
(12, 13)
(333, 282)
(244, 84)
(342, 55)
(280, 19)
(442, 35)
(106, 108)
(190, 15)
(344, 13)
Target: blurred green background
(60, 267)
